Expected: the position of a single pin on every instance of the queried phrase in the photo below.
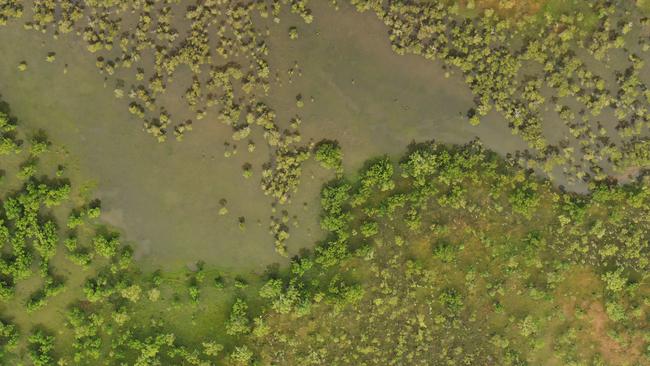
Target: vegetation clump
(328, 154)
(293, 33)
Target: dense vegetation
(461, 259)
(448, 256)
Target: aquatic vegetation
(519, 60)
(228, 81)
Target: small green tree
(328, 154)
(238, 322)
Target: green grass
(557, 8)
(644, 5)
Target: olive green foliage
(377, 174)
(31, 236)
(328, 154)
(238, 323)
(41, 346)
(8, 141)
(518, 58)
(106, 245)
(10, 9)
(8, 338)
(449, 256)
(450, 249)
(484, 278)
(524, 198)
(223, 44)
(584, 60)
(87, 329)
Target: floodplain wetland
(344, 182)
